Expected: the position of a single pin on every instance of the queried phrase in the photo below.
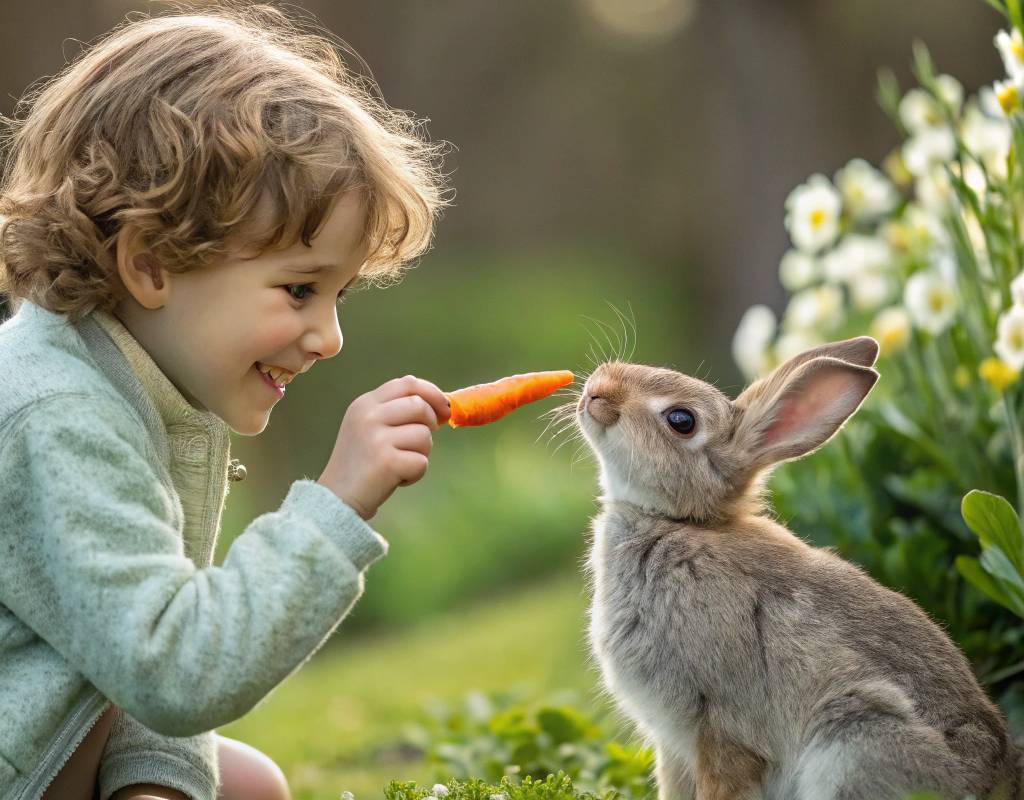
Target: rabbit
(758, 666)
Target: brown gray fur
(759, 666)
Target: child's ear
(140, 273)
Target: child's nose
(324, 339)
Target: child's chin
(252, 426)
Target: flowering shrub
(926, 255)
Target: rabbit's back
(755, 632)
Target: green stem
(1013, 10)
(1013, 423)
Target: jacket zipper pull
(236, 470)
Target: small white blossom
(1017, 289)
(750, 342)
(891, 327)
(792, 343)
(820, 308)
(347, 796)
(1011, 49)
(1009, 344)
(1008, 93)
(927, 147)
(866, 192)
(854, 256)
(812, 214)
(951, 91)
(931, 299)
(499, 796)
(439, 789)
(935, 190)
(924, 230)
(987, 137)
(988, 102)
(871, 290)
(919, 111)
(797, 269)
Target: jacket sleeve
(136, 755)
(89, 560)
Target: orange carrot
(486, 402)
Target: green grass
(334, 724)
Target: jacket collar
(175, 411)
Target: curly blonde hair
(178, 125)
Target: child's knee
(249, 774)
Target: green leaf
(562, 724)
(971, 569)
(996, 523)
(1013, 10)
(996, 564)
(998, 6)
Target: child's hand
(384, 441)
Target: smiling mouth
(278, 376)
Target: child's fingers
(406, 410)
(412, 438)
(411, 385)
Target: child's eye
(307, 287)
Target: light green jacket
(111, 492)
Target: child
(181, 210)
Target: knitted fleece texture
(112, 487)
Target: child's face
(216, 323)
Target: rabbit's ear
(799, 410)
(862, 350)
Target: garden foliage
(926, 255)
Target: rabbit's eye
(681, 420)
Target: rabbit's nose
(601, 409)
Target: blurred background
(626, 153)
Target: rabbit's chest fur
(680, 637)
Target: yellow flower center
(1008, 97)
(817, 218)
(997, 373)
(936, 301)
(1017, 48)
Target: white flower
(1008, 94)
(931, 299)
(951, 91)
(919, 111)
(935, 190)
(793, 343)
(987, 137)
(866, 192)
(812, 214)
(891, 327)
(1011, 48)
(988, 102)
(926, 147)
(1017, 289)
(871, 290)
(439, 789)
(924, 229)
(347, 796)
(1009, 344)
(797, 269)
(750, 342)
(855, 256)
(499, 796)
(820, 308)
